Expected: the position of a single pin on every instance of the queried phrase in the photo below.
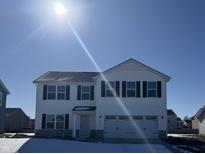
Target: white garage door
(130, 127)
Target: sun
(59, 9)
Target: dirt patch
(187, 144)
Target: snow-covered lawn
(55, 145)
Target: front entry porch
(84, 121)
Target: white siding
(133, 106)
(58, 106)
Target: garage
(130, 127)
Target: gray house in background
(17, 121)
(198, 121)
(171, 120)
(3, 95)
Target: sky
(168, 36)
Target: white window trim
(56, 92)
(151, 89)
(85, 92)
(1, 99)
(130, 88)
(112, 89)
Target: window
(151, 117)
(56, 92)
(51, 92)
(60, 122)
(137, 117)
(110, 117)
(152, 89)
(61, 92)
(123, 117)
(85, 92)
(109, 89)
(50, 121)
(131, 89)
(1, 99)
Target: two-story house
(126, 101)
(3, 95)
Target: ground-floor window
(55, 121)
(50, 121)
(60, 121)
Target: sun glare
(60, 9)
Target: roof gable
(138, 65)
(200, 115)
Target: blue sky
(166, 35)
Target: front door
(84, 126)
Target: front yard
(187, 142)
(56, 145)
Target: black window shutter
(159, 89)
(102, 88)
(144, 88)
(124, 88)
(79, 93)
(67, 92)
(91, 92)
(66, 121)
(138, 92)
(43, 122)
(44, 92)
(117, 88)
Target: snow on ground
(183, 135)
(11, 145)
(55, 145)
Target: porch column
(74, 126)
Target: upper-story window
(110, 89)
(152, 89)
(131, 89)
(1, 98)
(53, 92)
(85, 92)
(61, 92)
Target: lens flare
(59, 9)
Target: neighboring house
(180, 123)
(16, 120)
(171, 120)
(198, 121)
(32, 124)
(188, 123)
(125, 101)
(3, 95)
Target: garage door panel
(130, 128)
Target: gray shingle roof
(170, 112)
(67, 77)
(11, 111)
